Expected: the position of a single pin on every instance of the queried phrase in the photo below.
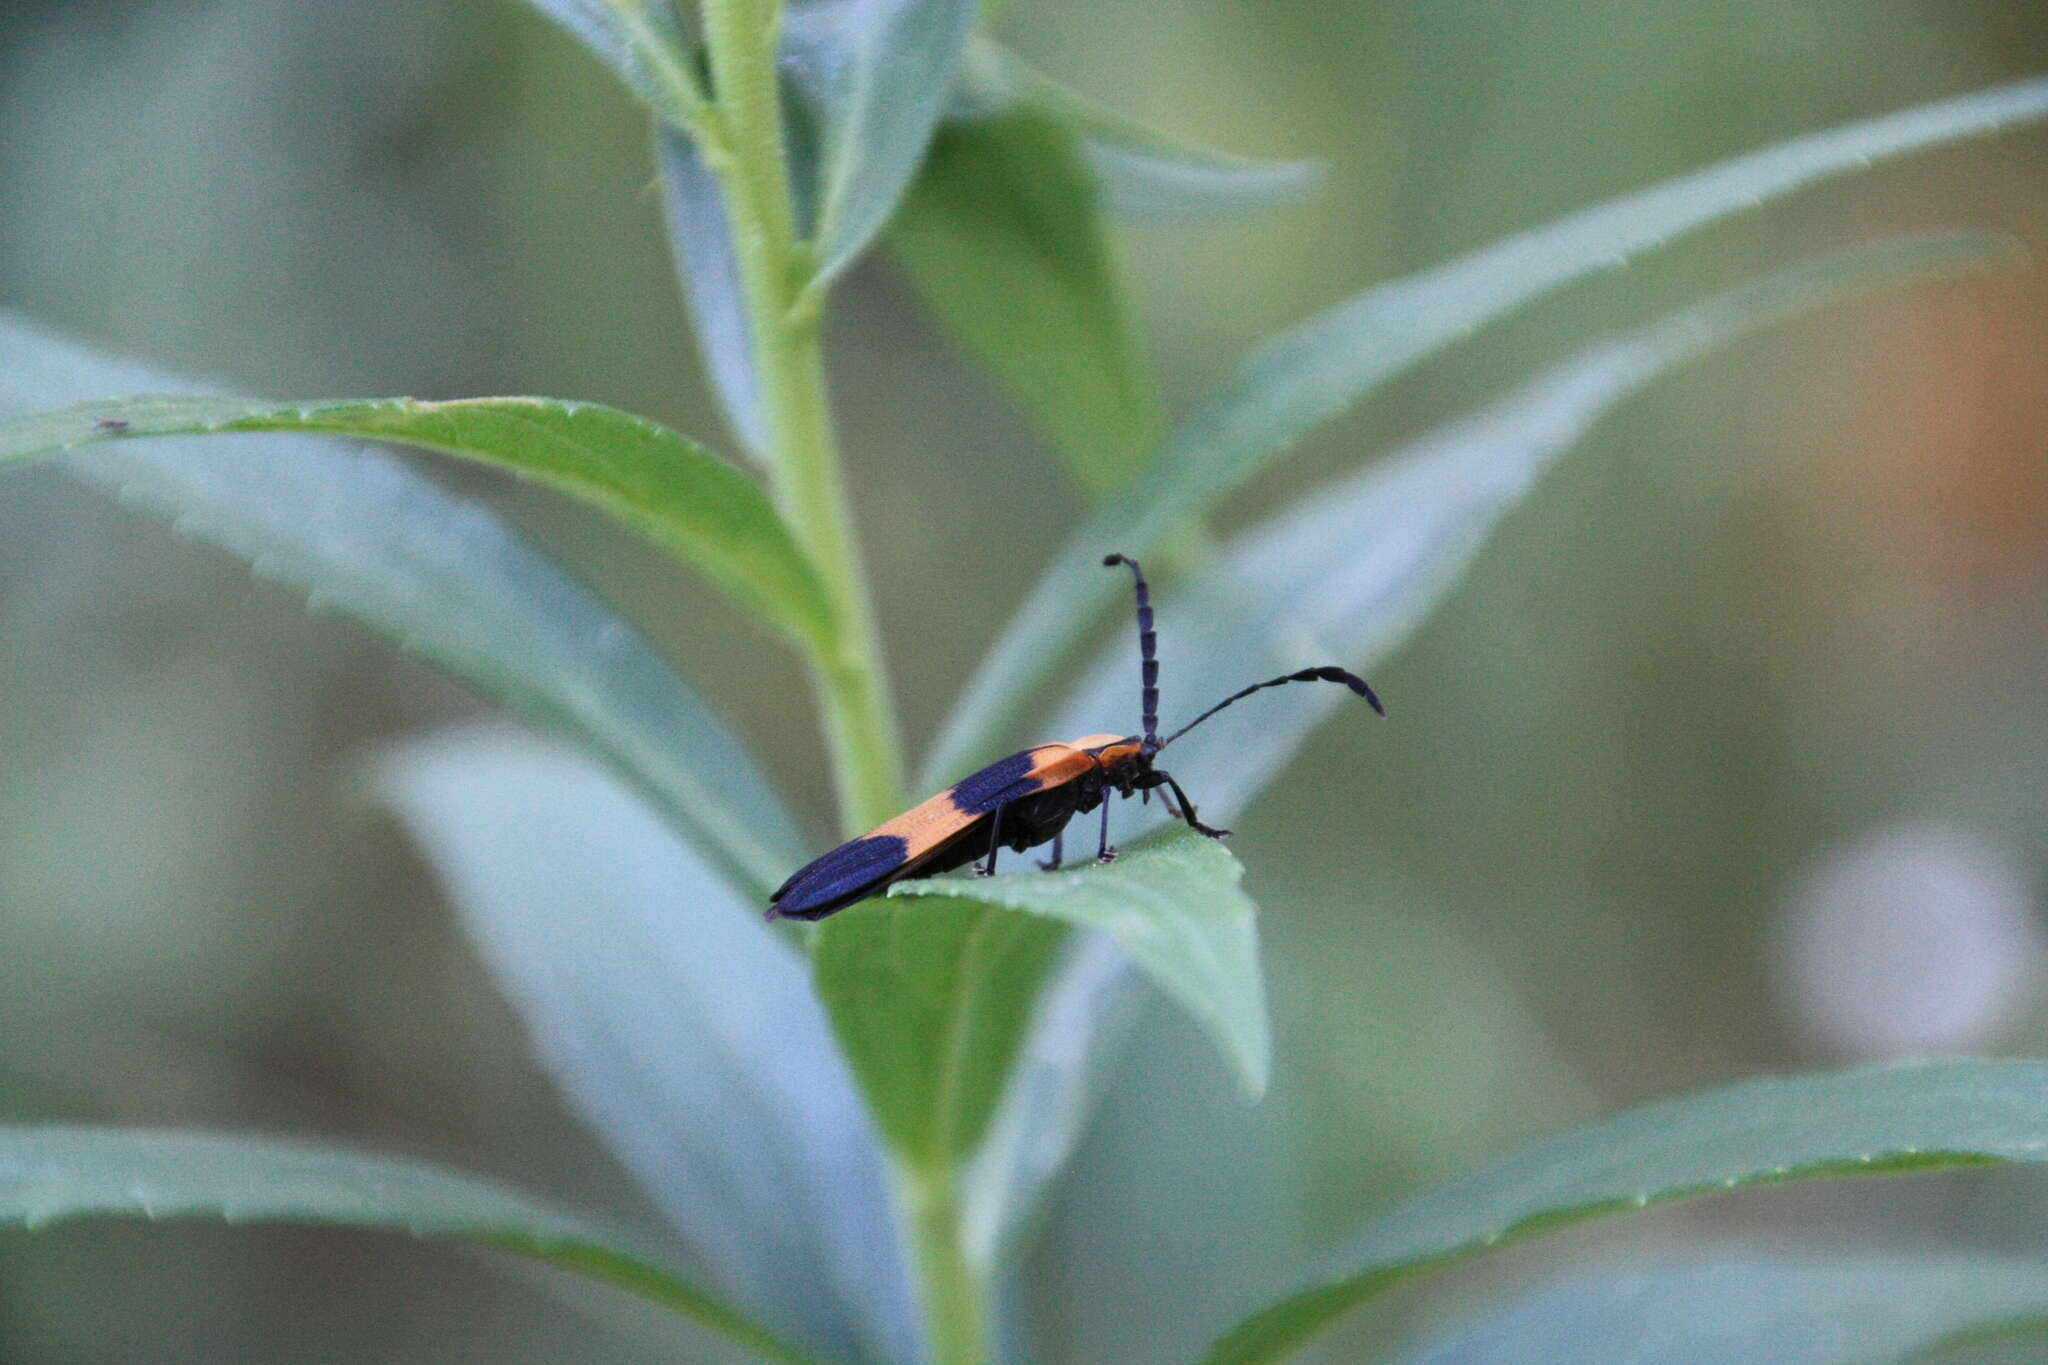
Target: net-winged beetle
(1024, 800)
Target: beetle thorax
(1121, 759)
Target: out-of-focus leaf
(1000, 234)
(884, 70)
(2017, 1341)
(1077, 1023)
(1314, 372)
(710, 272)
(1733, 1312)
(930, 1000)
(1144, 175)
(1927, 1117)
(1348, 572)
(54, 1174)
(668, 488)
(365, 536)
(1174, 905)
(621, 39)
(684, 1030)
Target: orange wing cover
(890, 852)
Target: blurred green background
(1729, 757)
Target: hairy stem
(744, 148)
(742, 143)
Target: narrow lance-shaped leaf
(1001, 235)
(1174, 905)
(54, 1174)
(886, 70)
(1352, 569)
(1733, 1312)
(364, 535)
(1927, 1117)
(1144, 175)
(635, 38)
(668, 488)
(682, 1028)
(1346, 575)
(710, 273)
(1316, 371)
(700, 235)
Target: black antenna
(1326, 674)
(1148, 649)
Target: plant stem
(743, 145)
(955, 1297)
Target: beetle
(1026, 799)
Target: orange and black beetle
(1022, 801)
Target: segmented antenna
(1325, 674)
(1148, 649)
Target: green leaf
(1174, 905)
(365, 536)
(1350, 570)
(930, 1001)
(603, 27)
(1928, 1117)
(670, 489)
(1316, 371)
(708, 267)
(1144, 175)
(1732, 1312)
(1347, 573)
(700, 236)
(1078, 1022)
(683, 1030)
(1000, 234)
(58, 1174)
(885, 70)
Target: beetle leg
(1103, 852)
(1057, 852)
(995, 843)
(1187, 811)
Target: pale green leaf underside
(1734, 1312)
(623, 36)
(682, 1028)
(668, 488)
(1924, 1117)
(1174, 904)
(1310, 374)
(57, 1174)
(890, 66)
(708, 269)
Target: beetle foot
(1108, 855)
